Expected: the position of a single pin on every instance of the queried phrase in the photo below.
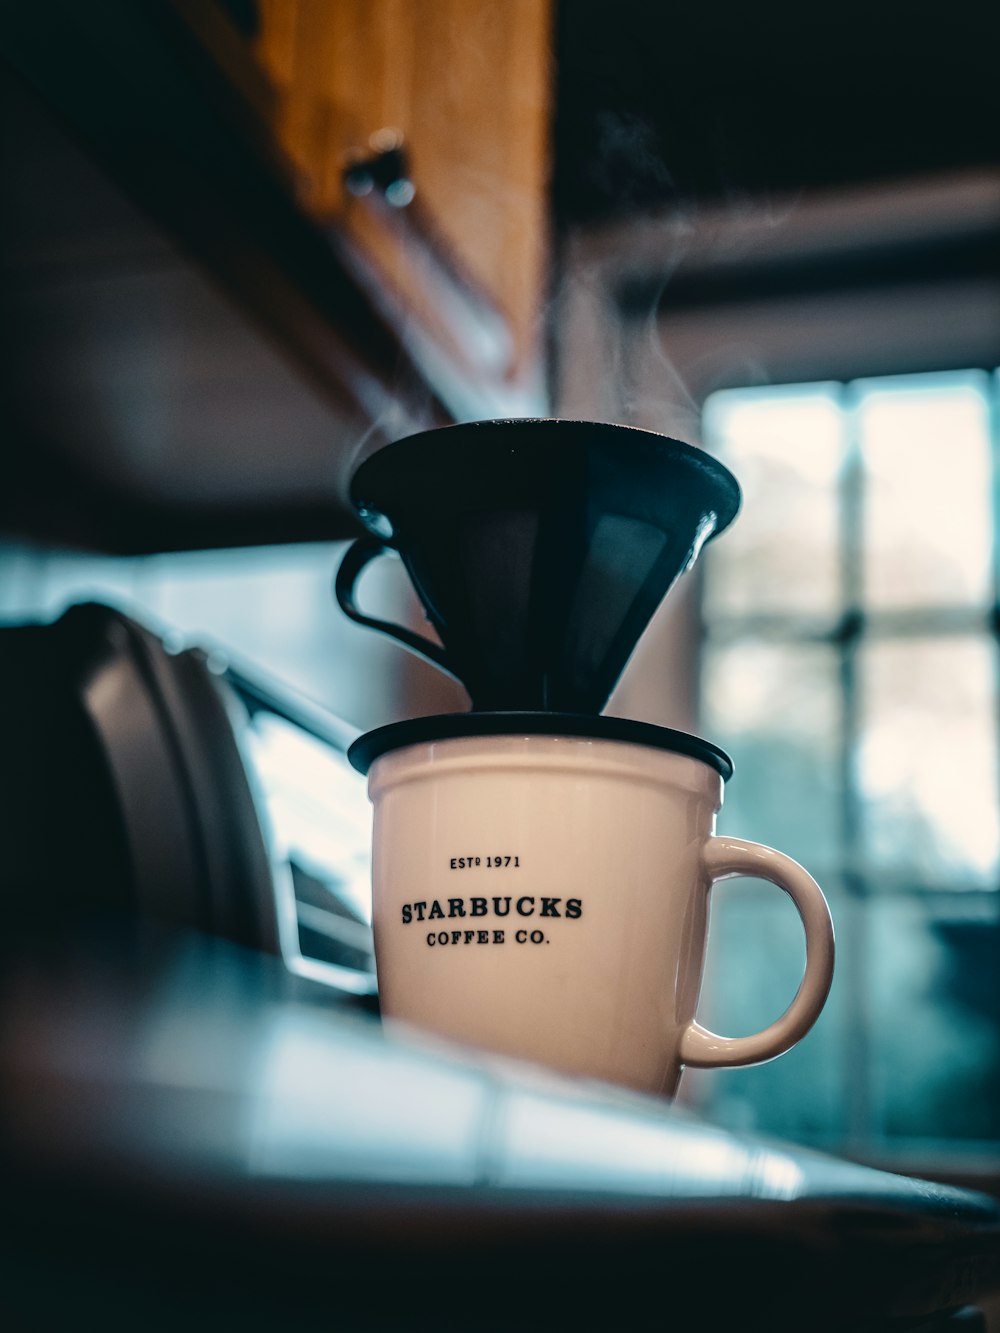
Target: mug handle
(724, 858)
(359, 554)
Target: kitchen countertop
(192, 1135)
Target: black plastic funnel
(539, 548)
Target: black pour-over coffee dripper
(539, 548)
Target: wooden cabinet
(466, 85)
(205, 331)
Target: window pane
(927, 761)
(925, 450)
(935, 1015)
(775, 707)
(785, 448)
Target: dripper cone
(540, 549)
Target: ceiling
(725, 101)
(771, 193)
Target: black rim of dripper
(383, 476)
(453, 726)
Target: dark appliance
(132, 784)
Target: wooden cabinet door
(467, 85)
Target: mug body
(543, 895)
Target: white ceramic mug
(541, 889)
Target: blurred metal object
(317, 822)
(142, 781)
(380, 175)
(386, 169)
(122, 786)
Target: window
(850, 665)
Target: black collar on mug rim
(449, 726)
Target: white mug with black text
(541, 889)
